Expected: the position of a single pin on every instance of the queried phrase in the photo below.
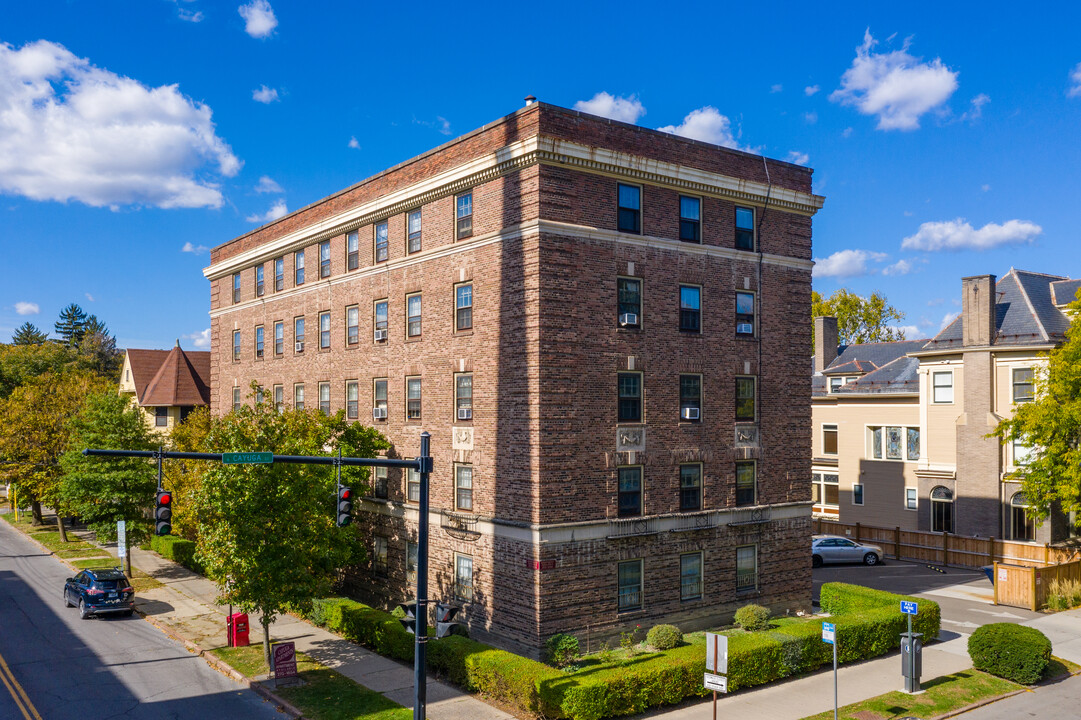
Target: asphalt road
(112, 667)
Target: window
(382, 242)
(463, 396)
(744, 313)
(1022, 385)
(894, 443)
(379, 556)
(324, 398)
(298, 396)
(380, 400)
(630, 208)
(829, 439)
(413, 230)
(352, 325)
(1022, 524)
(690, 397)
(463, 488)
(352, 410)
(745, 483)
(236, 287)
(380, 485)
(324, 259)
(161, 416)
(279, 274)
(690, 308)
(690, 576)
(258, 281)
(747, 567)
(690, 222)
(690, 487)
(279, 398)
(412, 399)
(1022, 453)
(236, 346)
(259, 342)
(910, 499)
(912, 439)
(463, 577)
(324, 331)
(744, 228)
(629, 302)
(630, 397)
(236, 399)
(463, 307)
(381, 320)
(412, 485)
(463, 215)
(942, 510)
(411, 562)
(279, 338)
(825, 489)
(299, 268)
(836, 383)
(630, 492)
(258, 394)
(352, 251)
(412, 303)
(857, 493)
(298, 334)
(745, 397)
(942, 387)
(630, 585)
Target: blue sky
(134, 135)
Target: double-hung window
(630, 208)
(381, 321)
(744, 228)
(379, 400)
(744, 313)
(324, 259)
(411, 552)
(324, 331)
(279, 338)
(690, 219)
(690, 487)
(630, 397)
(298, 334)
(382, 242)
(825, 489)
(259, 280)
(745, 399)
(412, 485)
(412, 398)
(414, 231)
(380, 486)
(630, 585)
(690, 576)
(690, 308)
(629, 302)
(463, 396)
(463, 488)
(747, 567)
(463, 215)
(259, 342)
(236, 346)
(690, 397)
(463, 577)
(299, 268)
(236, 399)
(352, 250)
(1022, 385)
(630, 492)
(463, 307)
(829, 439)
(161, 416)
(413, 305)
(352, 325)
(352, 409)
(279, 398)
(942, 387)
(324, 398)
(379, 556)
(298, 396)
(236, 288)
(745, 483)
(279, 274)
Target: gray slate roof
(887, 368)
(1064, 291)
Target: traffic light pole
(420, 679)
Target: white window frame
(912, 493)
(641, 587)
(744, 586)
(683, 596)
(862, 490)
(935, 387)
(837, 438)
(872, 445)
(459, 586)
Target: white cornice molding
(514, 157)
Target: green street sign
(248, 458)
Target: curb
(981, 703)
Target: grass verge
(327, 695)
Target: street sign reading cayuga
(909, 608)
(247, 458)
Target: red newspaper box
(237, 629)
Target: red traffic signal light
(345, 506)
(163, 513)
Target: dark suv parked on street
(100, 591)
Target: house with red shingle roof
(166, 384)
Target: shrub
(561, 649)
(752, 617)
(1063, 594)
(664, 637)
(177, 549)
(1014, 652)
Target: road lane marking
(28, 710)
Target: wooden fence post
(857, 532)
(1046, 550)
(945, 548)
(994, 576)
(897, 542)
(991, 551)
(1032, 588)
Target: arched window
(1022, 526)
(942, 510)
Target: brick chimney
(825, 341)
(978, 310)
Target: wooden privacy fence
(947, 549)
(1028, 587)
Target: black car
(100, 591)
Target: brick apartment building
(602, 327)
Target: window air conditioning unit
(690, 413)
(299, 347)
(628, 319)
(464, 414)
(379, 413)
(380, 335)
(745, 328)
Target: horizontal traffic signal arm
(420, 464)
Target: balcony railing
(750, 516)
(458, 523)
(630, 600)
(632, 527)
(697, 521)
(746, 580)
(690, 590)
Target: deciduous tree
(859, 319)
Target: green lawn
(327, 695)
(139, 579)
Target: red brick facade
(545, 352)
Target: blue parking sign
(909, 608)
(828, 632)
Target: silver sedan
(837, 549)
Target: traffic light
(409, 622)
(444, 621)
(163, 513)
(345, 505)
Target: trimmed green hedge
(176, 549)
(1014, 652)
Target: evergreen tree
(28, 334)
(72, 325)
(99, 348)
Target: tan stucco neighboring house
(900, 429)
(166, 384)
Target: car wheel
(67, 602)
(870, 559)
(83, 612)
(816, 561)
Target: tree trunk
(127, 557)
(60, 527)
(266, 640)
(35, 509)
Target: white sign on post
(717, 654)
(828, 632)
(121, 538)
(716, 683)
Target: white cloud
(708, 125)
(976, 107)
(442, 124)
(89, 297)
(959, 235)
(912, 332)
(192, 16)
(934, 301)
(810, 117)
(200, 340)
(194, 249)
(27, 308)
(847, 263)
(895, 86)
(276, 211)
(353, 143)
(265, 95)
(798, 158)
(947, 319)
(627, 109)
(811, 90)
(267, 185)
(776, 88)
(73, 131)
(258, 18)
(1075, 80)
(901, 267)
(847, 132)
(985, 187)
